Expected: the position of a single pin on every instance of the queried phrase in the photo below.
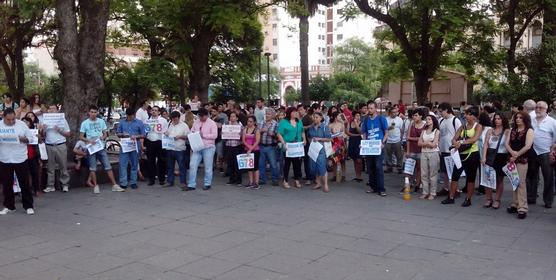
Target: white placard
(454, 153)
(511, 171)
(232, 131)
(8, 136)
(328, 149)
(246, 161)
(449, 164)
(168, 143)
(488, 176)
(97, 146)
(42, 151)
(195, 141)
(370, 147)
(409, 166)
(314, 150)
(128, 145)
(35, 140)
(16, 187)
(195, 106)
(157, 126)
(53, 119)
(295, 150)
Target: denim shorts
(101, 156)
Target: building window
(274, 12)
(274, 56)
(275, 42)
(339, 11)
(340, 24)
(339, 37)
(274, 25)
(328, 61)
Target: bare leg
(111, 177)
(93, 178)
(325, 182)
(256, 177)
(470, 190)
(453, 189)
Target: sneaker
(466, 203)
(134, 186)
(116, 188)
(187, 189)
(65, 189)
(96, 189)
(511, 210)
(255, 187)
(521, 215)
(206, 188)
(448, 201)
(383, 194)
(30, 211)
(6, 211)
(49, 189)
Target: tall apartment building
(327, 29)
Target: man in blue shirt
(375, 127)
(130, 129)
(94, 128)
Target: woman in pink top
(251, 138)
(208, 132)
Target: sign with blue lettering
(370, 147)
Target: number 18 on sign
(246, 161)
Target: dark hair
(445, 106)
(497, 105)
(289, 112)
(33, 99)
(26, 100)
(330, 110)
(260, 99)
(484, 119)
(129, 112)
(361, 105)
(8, 96)
(428, 105)
(203, 112)
(318, 114)
(8, 111)
(32, 124)
(435, 124)
(301, 105)
(525, 118)
(253, 119)
(489, 109)
(186, 107)
(93, 107)
(333, 116)
(473, 110)
(315, 106)
(175, 114)
(421, 112)
(371, 102)
(505, 122)
(35, 118)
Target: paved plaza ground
(272, 233)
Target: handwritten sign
(409, 166)
(54, 119)
(128, 145)
(370, 147)
(195, 141)
(95, 147)
(314, 150)
(294, 150)
(168, 143)
(488, 176)
(231, 132)
(8, 136)
(156, 126)
(510, 170)
(246, 161)
(34, 140)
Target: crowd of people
(443, 145)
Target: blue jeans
(280, 160)
(130, 158)
(172, 157)
(207, 156)
(376, 172)
(102, 156)
(268, 153)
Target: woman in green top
(468, 134)
(290, 130)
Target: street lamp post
(260, 81)
(267, 54)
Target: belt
(269, 145)
(56, 144)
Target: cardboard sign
(128, 145)
(510, 170)
(96, 147)
(409, 166)
(232, 132)
(53, 119)
(294, 150)
(370, 147)
(16, 187)
(168, 143)
(155, 126)
(456, 158)
(449, 164)
(246, 161)
(195, 141)
(35, 140)
(488, 176)
(42, 151)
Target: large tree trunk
(19, 69)
(182, 87)
(199, 75)
(422, 85)
(80, 56)
(304, 58)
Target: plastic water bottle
(406, 190)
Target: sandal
(431, 197)
(488, 203)
(424, 196)
(316, 187)
(496, 204)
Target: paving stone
(248, 272)
(207, 268)
(98, 264)
(172, 259)
(132, 271)
(280, 263)
(24, 268)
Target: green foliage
(292, 96)
(321, 88)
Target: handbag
(491, 152)
(464, 147)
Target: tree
(80, 52)
(303, 9)
(321, 88)
(426, 32)
(20, 22)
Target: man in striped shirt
(268, 148)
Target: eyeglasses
(541, 107)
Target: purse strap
(499, 140)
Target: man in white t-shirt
(260, 112)
(177, 130)
(156, 159)
(393, 147)
(14, 137)
(449, 124)
(57, 150)
(142, 113)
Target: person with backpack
(449, 124)
(375, 128)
